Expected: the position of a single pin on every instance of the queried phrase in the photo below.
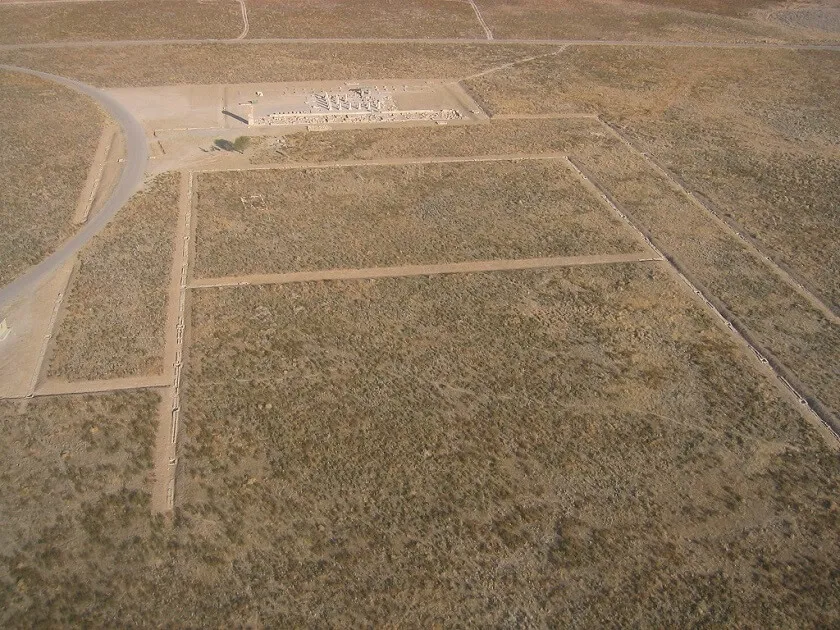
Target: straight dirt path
(169, 412)
(61, 388)
(405, 271)
(130, 181)
(95, 174)
(431, 41)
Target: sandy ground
(32, 320)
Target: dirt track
(405, 271)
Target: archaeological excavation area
(429, 314)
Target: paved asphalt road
(131, 179)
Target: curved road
(131, 178)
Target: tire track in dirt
(481, 21)
(512, 64)
(245, 25)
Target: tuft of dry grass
(50, 134)
(116, 306)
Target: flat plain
(546, 445)
(41, 181)
(113, 322)
(648, 21)
(173, 64)
(267, 221)
(356, 18)
(583, 443)
(70, 464)
(118, 19)
(497, 137)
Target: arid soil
(119, 20)
(784, 322)
(499, 137)
(172, 64)
(74, 468)
(677, 20)
(41, 179)
(374, 216)
(717, 138)
(635, 450)
(359, 18)
(426, 445)
(116, 305)
(766, 153)
(610, 441)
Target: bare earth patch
(498, 137)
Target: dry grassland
(361, 18)
(116, 307)
(654, 20)
(499, 137)
(571, 446)
(376, 216)
(41, 178)
(609, 458)
(716, 7)
(137, 66)
(755, 132)
(73, 469)
(766, 152)
(780, 319)
(785, 194)
(119, 20)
